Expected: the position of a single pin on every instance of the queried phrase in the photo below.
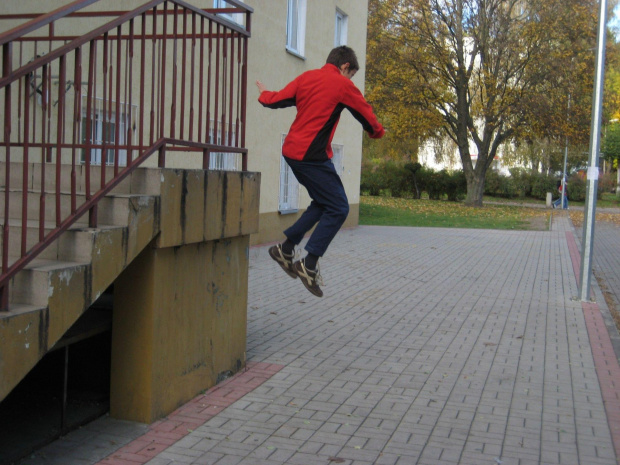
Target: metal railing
(107, 90)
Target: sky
(614, 22)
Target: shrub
(577, 187)
(371, 181)
(522, 181)
(414, 168)
(431, 182)
(541, 184)
(455, 185)
(607, 182)
(507, 187)
(492, 182)
(398, 179)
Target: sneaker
(310, 278)
(284, 260)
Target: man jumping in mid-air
(320, 95)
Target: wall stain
(183, 205)
(224, 203)
(44, 326)
(241, 205)
(204, 203)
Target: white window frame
(127, 116)
(341, 28)
(338, 158)
(234, 17)
(288, 196)
(225, 161)
(296, 27)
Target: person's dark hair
(341, 55)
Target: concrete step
(141, 180)
(33, 285)
(73, 245)
(113, 209)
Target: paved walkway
(431, 346)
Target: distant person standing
(563, 190)
(320, 96)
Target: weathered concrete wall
(180, 308)
(179, 323)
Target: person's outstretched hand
(261, 86)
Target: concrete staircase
(175, 243)
(55, 289)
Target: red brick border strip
(605, 360)
(167, 431)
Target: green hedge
(400, 180)
(396, 179)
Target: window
(234, 17)
(296, 27)
(340, 36)
(338, 158)
(103, 131)
(289, 188)
(227, 161)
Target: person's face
(346, 71)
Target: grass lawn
(387, 211)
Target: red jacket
(320, 96)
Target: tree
(479, 66)
(394, 91)
(611, 148)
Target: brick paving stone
(431, 346)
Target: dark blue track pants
(329, 207)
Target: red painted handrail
(165, 77)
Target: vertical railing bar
(34, 97)
(223, 131)
(244, 88)
(208, 114)
(128, 115)
(105, 110)
(201, 77)
(192, 66)
(232, 87)
(183, 74)
(89, 122)
(60, 122)
(239, 83)
(44, 99)
(217, 81)
(159, 89)
(19, 92)
(154, 73)
(162, 83)
(119, 48)
(173, 100)
(7, 62)
(142, 75)
(77, 120)
(26, 161)
(48, 97)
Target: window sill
(288, 212)
(295, 53)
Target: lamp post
(595, 142)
